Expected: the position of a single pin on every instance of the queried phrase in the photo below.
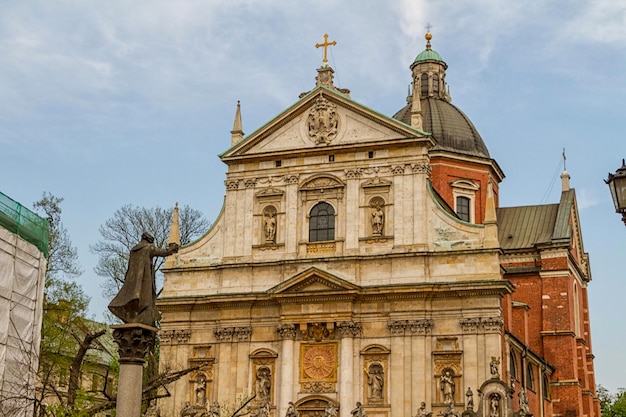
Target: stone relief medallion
(318, 362)
(323, 122)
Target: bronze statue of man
(136, 301)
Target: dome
(451, 128)
(428, 55)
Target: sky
(113, 103)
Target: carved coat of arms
(323, 122)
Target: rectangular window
(331, 158)
(279, 164)
(370, 154)
(463, 208)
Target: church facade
(361, 265)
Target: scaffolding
(19, 220)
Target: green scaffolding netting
(19, 220)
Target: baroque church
(362, 266)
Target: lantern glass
(617, 185)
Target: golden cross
(326, 44)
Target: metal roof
(524, 227)
(450, 127)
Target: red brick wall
(445, 171)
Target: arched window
(463, 208)
(545, 387)
(322, 223)
(424, 85)
(513, 365)
(530, 377)
(435, 84)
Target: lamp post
(617, 184)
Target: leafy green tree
(123, 231)
(65, 338)
(612, 405)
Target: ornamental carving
(349, 328)
(166, 336)
(317, 386)
(396, 327)
(174, 336)
(353, 173)
(317, 332)
(319, 362)
(231, 184)
(479, 324)
(292, 178)
(398, 170)
(323, 122)
(250, 182)
(421, 168)
(286, 331)
(132, 343)
(322, 183)
(420, 327)
(182, 336)
(233, 334)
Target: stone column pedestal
(133, 340)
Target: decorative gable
(321, 119)
(313, 280)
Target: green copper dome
(428, 55)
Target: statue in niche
(493, 367)
(494, 405)
(269, 224)
(263, 384)
(375, 382)
(136, 300)
(421, 412)
(358, 411)
(378, 218)
(201, 390)
(291, 410)
(447, 387)
(470, 399)
(330, 410)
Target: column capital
(133, 340)
(286, 331)
(349, 328)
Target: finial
(237, 132)
(565, 177)
(326, 44)
(428, 35)
(175, 227)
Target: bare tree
(122, 231)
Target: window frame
(314, 218)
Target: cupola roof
(429, 54)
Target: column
(287, 332)
(133, 340)
(396, 367)
(352, 209)
(420, 356)
(291, 215)
(347, 330)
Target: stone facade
(338, 272)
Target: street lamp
(617, 184)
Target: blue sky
(113, 103)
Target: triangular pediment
(313, 280)
(322, 119)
